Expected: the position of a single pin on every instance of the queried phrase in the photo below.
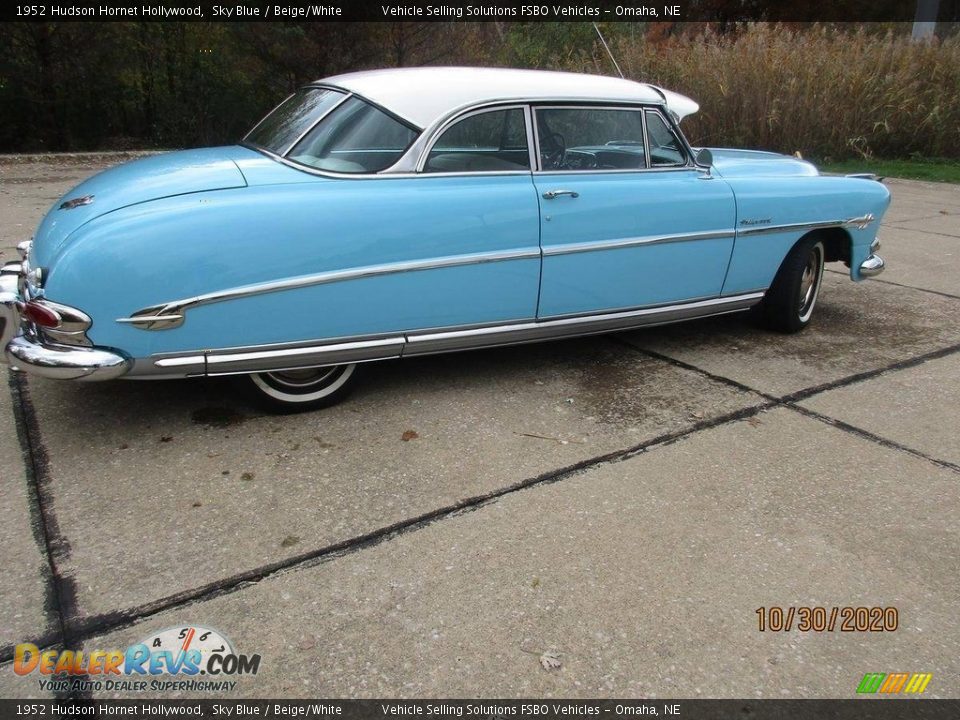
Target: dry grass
(826, 94)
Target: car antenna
(607, 48)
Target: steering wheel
(554, 158)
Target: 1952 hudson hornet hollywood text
(395, 213)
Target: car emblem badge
(76, 202)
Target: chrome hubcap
(808, 281)
(302, 378)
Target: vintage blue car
(395, 213)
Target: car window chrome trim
(335, 351)
(384, 175)
(171, 314)
(531, 138)
(427, 135)
(688, 158)
(629, 242)
(646, 140)
(860, 223)
(264, 118)
(619, 171)
(319, 120)
(642, 108)
(436, 135)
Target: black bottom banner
(860, 709)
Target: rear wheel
(789, 303)
(306, 389)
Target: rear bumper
(62, 363)
(24, 350)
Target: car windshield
(352, 136)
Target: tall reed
(824, 93)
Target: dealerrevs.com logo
(190, 658)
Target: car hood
(150, 178)
(740, 163)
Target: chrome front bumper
(24, 350)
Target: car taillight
(40, 315)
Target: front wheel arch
(837, 244)
(788, 303)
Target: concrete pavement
(625, 503)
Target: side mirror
(704, 158)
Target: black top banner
(483, 11)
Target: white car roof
(425, 95)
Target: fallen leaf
(289, 540)
(409, 435)
(535, 583)
(248, 476)
(698, 415)
(753, 422)
(550, 661)
(197, 504)
(166, 438)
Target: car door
(627, 221)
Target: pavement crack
(925, 232)
(76, 629)
(809, 392)
(730, 382)
(61, 589)
(93, 626)
(790, 400)
(866, 434)
(902, 285)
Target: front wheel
(788, 304)
(291, 391)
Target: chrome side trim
(171, 314)
(305, 357)
(858, 222)
(551, 250)
(12, 268)
(552, 328)
(269, 358)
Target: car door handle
(551, 194)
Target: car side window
(355, 138)
(665, 147)
(493, 141)
(590, 139)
